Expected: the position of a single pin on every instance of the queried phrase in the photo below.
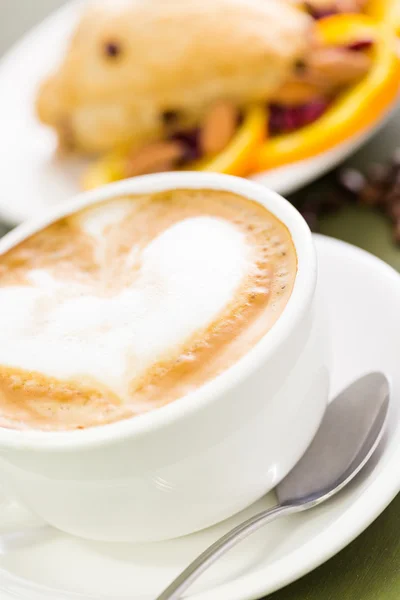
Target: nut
(218, 128)
(155, 157)
(331, 68)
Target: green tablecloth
(369, 568)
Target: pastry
(133, 65)
(157, 85)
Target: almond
(218, 128)
(155, 157)
(331, 67)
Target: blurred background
(359, 225)
(18, 16)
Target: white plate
(32, 178)
(363, 297)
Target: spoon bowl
(339, 452)
(349, 434)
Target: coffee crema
(132, 303)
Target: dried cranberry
(170, 117)
(284, 118)
(360, 45)
(275, 118)
(112, 49)
(300, 66)
(240, 118)
(190, 141)
(313, 111)
(321, 13)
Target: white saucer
(33, 179)
(363, 300)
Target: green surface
(366, 228)
(369, 568)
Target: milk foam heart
(187, 275)
(135, 302)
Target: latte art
(133, 303)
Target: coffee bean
(371, 195)
(396, 232)
(396, 157)
(380, 188)
(378, 173)
(391, 197)
(331, 203)
(311, 219)
(394, 210)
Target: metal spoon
(350, 432)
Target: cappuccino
(135, 302)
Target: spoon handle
(220, 547)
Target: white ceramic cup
(204, 457)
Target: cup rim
(299, 301)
